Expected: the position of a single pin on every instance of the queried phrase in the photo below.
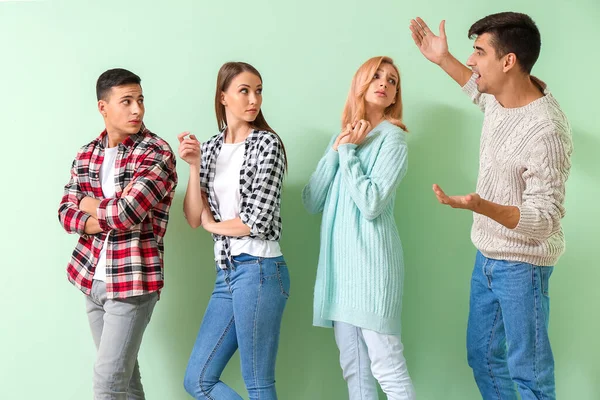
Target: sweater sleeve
(372, 192)
(478, 98)
(547, 171)
(315, 192)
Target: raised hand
(434, 48)
(346, 132)
(360, 131)
(189, 149)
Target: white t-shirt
(227, 192)
(107, 178)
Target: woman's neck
(374, 115)
(237, 132)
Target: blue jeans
(244, 312)
(507, 335)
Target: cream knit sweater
(525, 162)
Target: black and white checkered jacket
(261, 179)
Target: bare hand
(189, 149)
(358, 133)
(127, 189)
(360, 129)
(469, 202)
(347, 130)
(92, 226)
(355, 133)
(434, 48)
(89, 205)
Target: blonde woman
(358, 290)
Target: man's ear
(102, 105)
(510, 61)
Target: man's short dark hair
(114, 77)
(511, 32)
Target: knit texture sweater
(361, 269)
(524, 162)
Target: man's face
(123, 109)
(485, 62)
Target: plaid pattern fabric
(136, 223)
(261, 179)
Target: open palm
(433, 47)
(469, 202)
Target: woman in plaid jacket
(234, 192)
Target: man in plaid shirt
(118, 199)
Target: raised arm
(435, 49)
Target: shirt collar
(130, 141)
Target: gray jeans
(117, 327)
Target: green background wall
(51, 54)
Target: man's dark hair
(511, 32)
(112, 78)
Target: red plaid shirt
(136, 223)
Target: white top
(227, 193)
(524, 162)
(107, 178)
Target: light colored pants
(367, 355)
(117, 327)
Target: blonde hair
(355, 104)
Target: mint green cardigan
(361, 270)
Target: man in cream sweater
(524, 164)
